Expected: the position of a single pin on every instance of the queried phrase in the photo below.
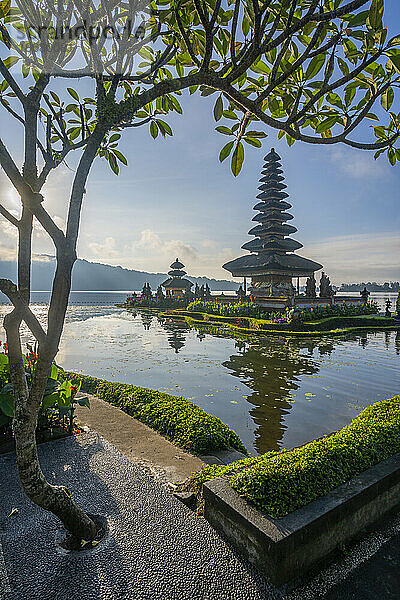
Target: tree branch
(32, 199)
(10, 290)
(7, 215)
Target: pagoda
(176, 285)
(272, 263)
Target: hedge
(289, 480)
(263, 327)
(239, 309)
(280, 482)
(178, 419)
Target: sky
(174, 199)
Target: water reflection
(274, 392)
(272, 373)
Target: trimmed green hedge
(280, 482)
(289, 480)
(239, 309)
(178, 419)
(260, 326)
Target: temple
(176, 286)
(272, 263)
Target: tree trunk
(56, 499)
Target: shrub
(338, 310)
(164, 303)
(241, 309)
(178, 419)
(57, 409)
(288, 480)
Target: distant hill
(393, 286)
(90, 276)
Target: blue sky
(176, 199)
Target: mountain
(90, 276)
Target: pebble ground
(156, 548)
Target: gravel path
(156, 549)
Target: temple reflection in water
(272, 374)
(275, 391)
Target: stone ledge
(283, 549)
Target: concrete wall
(285, 548)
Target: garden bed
(286, 511)
(248, 325)
(288, 548)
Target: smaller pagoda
(176, 286)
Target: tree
(311, 69)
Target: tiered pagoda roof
(272, 248)
(176, 279)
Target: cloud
(8, 240)
(106, 250)
(363, 257)
(358, 164)
(151, 243)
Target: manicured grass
(178, 419)
(279, 483)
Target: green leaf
(55, 97)
(256, 134)
(349, 94)
(7, 404)
(3, 362)
(164, 128)
(114, 137)
(153, 129)
(326, 124)
(120, 156)
(290, 141)
(252, 142)
(113, 163)
(237, 159)
(359, 19)
(387, 98)
(10, 61)
(224, 130)
(375, 14)
(218, 108)
(53, 372)
(50, 401)
(226, 150)
(73, 93)
(315, 66)
(395, 60)
(395, 41)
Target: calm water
(274, 392)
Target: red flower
(32, 357)
(74, 389)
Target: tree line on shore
(393, 286)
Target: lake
(275, 392)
